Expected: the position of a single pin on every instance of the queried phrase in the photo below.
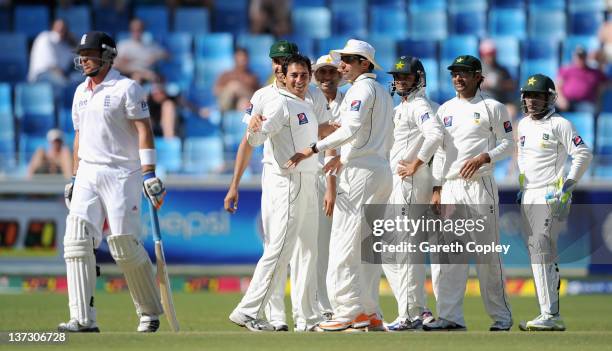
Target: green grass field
(205, 326)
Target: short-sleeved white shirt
(103, 118)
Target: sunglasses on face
(462, 74)
(351, 58)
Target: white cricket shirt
(103, 118)
(543, 149)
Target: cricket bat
(162, 274)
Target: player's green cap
(466, 62)
(283, 48)
(539, 83)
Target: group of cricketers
(312, 205)
(327, 154)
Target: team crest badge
(302, 119)
(425, 117)
(507, 126)
(448, 121)
(522, 139)
(355, 105)
(476, 117)
(578, 140)
(545, 136)
(249, 109)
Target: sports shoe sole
(523, 326)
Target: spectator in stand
(578, 85)
(56, 159)
(163, 111)
(498, 82)
(269, 16)
(52, 55)
(235, 87)
(138, 55)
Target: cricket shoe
(543, 322)
(338, 324)
(404, 324)
(376, 324)
(314, 329)
(501, 326)
(73, 326)
(259, 325)
(279, 326)
(442, 324)
(148, 324)
(427, 317)
(239, 318)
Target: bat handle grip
(154, 222)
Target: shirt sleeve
(136, 102)
(75, 113)
(321, 108)
(502, 129)
(437, 166)
(356, 105)
(431, 128)
(576, 148)
(276, 119)
(520, 156)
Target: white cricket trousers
(290, 218)
(542, 232)
(407, 279)
(449, 280)
(353, 286)
(325, 225)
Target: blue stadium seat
(466, 22)
(179, 71)
(350, 20)
(538, 49)
(208, 70)
(584, 124)
(546, 4)
(195, 126)
(450, 48)
(308, 3)
(77, 17)
(330, 43)
(388, 21)
(423, 49)
(432, 76)
(7, 154)
(5, 19)
(34, 107)
(467, 6)
(427, 5)
(155, 19)
(13, 57)
(604, 134)
(507, 4)
(233, 131)
(547, 67)
(399, 4)
(314, 22)
(169, 155)
(231, 16)
(586, 5)
(585, 22)
(507, 22)
(258, 45)
(31, 19)
(178, 44)
(6, 113)
(194, 20)
(547, 24)
(304, 43)
(386, 52)
(203, 155)
(214, 45)
(501, 170)
(508, 54)
(590, 43)
(606, 102)
(65, 120)
(110, 20)
(429, 24)
(27, 146)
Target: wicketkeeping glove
(68, 192)
(560, 201)
(154, 189)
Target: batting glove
(154, 189)
(68, 192)
(560, 201)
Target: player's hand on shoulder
(333, 166)
(255, 123)
(154, 189)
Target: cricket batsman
(545, 141)
(113, 154)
